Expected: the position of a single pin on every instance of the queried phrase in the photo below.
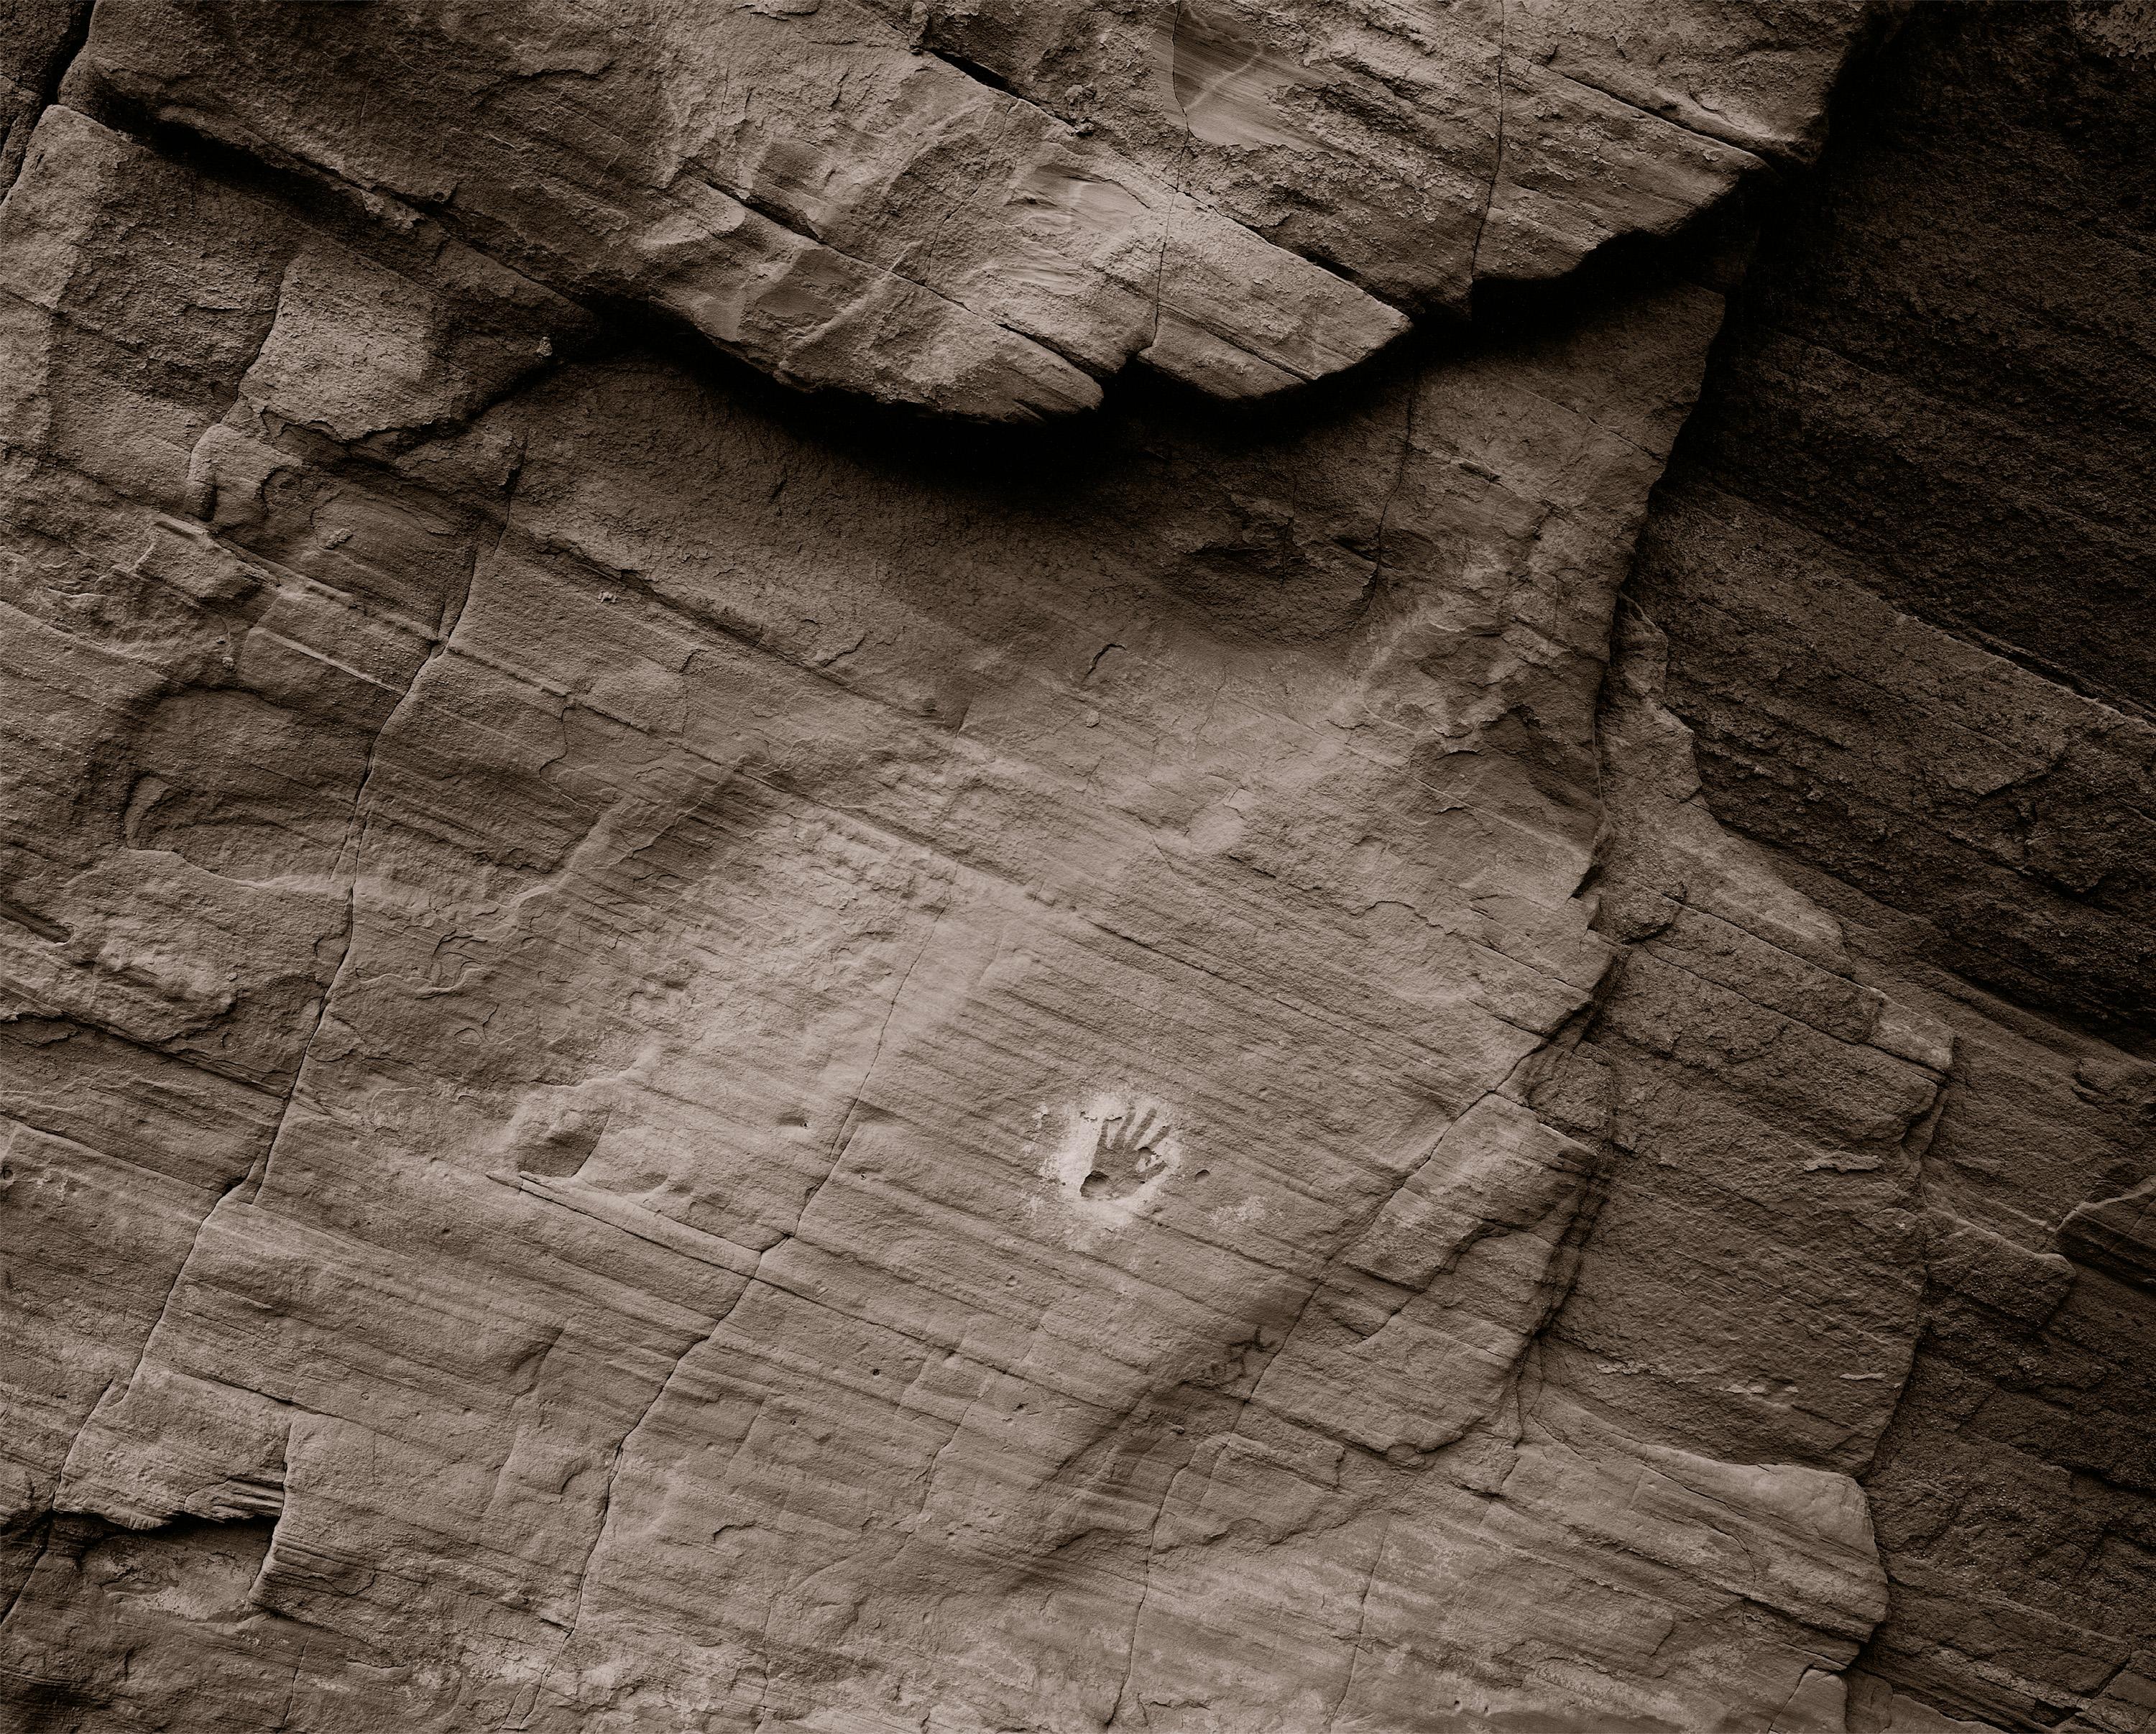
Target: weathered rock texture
(1462, 1051)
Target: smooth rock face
(1420, 1058)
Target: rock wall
(1900, 574)
(1205, 867)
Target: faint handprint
(1126, 1154)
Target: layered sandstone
(1389, 1033)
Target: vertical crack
(60, 59)
(1176, 170)
(1374, 587)
(1361, 1623)
(1174, 63)
(1497, 165)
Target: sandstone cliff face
(1421, 1028)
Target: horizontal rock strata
(983, 215)
(1466, 1050)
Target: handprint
(1126, 1154)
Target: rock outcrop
(1462, 1049)
(1902, 568)
(982, 212)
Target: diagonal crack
(22, 1590)
(840, 1136)
(1373, 588)
(149, 1336)
(451, 617)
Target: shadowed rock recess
(1216, 866)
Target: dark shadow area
(1901, 559)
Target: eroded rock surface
(1901, 566)
(986, 230)
(676, 1057)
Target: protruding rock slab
(1417, 148)
(984, 214)
(797, 185)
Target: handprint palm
(1126, 1155)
